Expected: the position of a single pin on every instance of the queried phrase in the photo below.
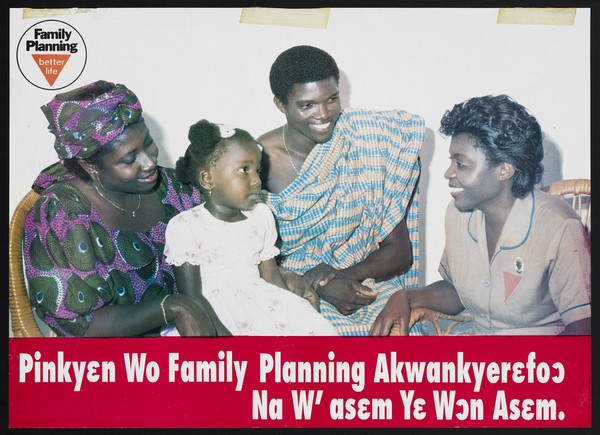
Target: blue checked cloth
(351, 193)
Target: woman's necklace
(288, 151)
(131, 212)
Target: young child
(224, 249)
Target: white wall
(188, 64)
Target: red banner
(237, 382)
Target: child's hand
(299, 286)
(311, 296)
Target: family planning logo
(51, 54)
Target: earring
(96, 179)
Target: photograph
(197, 193)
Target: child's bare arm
(270, 272)
(189, 282)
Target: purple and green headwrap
(87, 118)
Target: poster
(191, 63)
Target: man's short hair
(300, 64)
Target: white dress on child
(228, 254)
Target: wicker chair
(577, 191)
(434, 317)
(22, 318)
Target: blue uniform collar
(516, 228)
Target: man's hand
(346, 295)
(321, 275)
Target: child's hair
(208, 142)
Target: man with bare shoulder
(342, 185)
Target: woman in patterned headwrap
(94, 239)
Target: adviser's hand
(397, 310)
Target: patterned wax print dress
(75, 265)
